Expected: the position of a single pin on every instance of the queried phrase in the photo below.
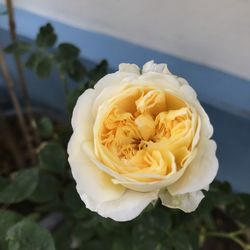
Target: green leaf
(51, 206)
(76, 71)
(181, 240)
(205, 207)
(62, 236)
(95, 245)
(75, 206)
(159, 219)
(98, 72)
(45, 127)
(7, 219)
(72, 98)
(46, 37)
(48, 188)
(67, 52)
(4, 182)
(44, 67)
(64, 133)
(220, 187)
(239, 210)
(71, 198)
(27, 235)
(119, 244)
(40, 63)
(194, 240)
(18, 48)
(82, 233)
(220, 193)
(33, 216)
(53, 157)
(21, 187)
(33, 60)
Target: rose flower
(139, 136)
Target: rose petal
(179, 87)
(154, 67)
(200, 172)
(82, 115)
(188, 93)
(130, 68)
(109, 86)
(186, 202)
(126, 208)
(132, 184)
(90, 180)
(115, 79)
(150, 186)
(160, 81)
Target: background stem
(14, 99)
(21, 78)
(231, 236)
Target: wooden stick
(14, 99)
(22, 81)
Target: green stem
(239, 232)
(231, 236)
(65, 84)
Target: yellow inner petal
(145, 133)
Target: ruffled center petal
(145, 133)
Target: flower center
(146, 133)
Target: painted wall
(217, 88)
(222, 90)
(214, 33)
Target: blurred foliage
(19, 186)
(30, 196)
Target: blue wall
(226, 97)
(214, 87)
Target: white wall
(212, 32)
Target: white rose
(138, 137)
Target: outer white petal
(161, 81)
(186, 202)
(182, 81)
(200, 172)
(115, 79)
(109, 86)
(206, 127)
(106, 87)
(82, 115)
(126, 208)
(131, 68)
(90, 180)
(154, 67)
(188, 94)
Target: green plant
(46, 192)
